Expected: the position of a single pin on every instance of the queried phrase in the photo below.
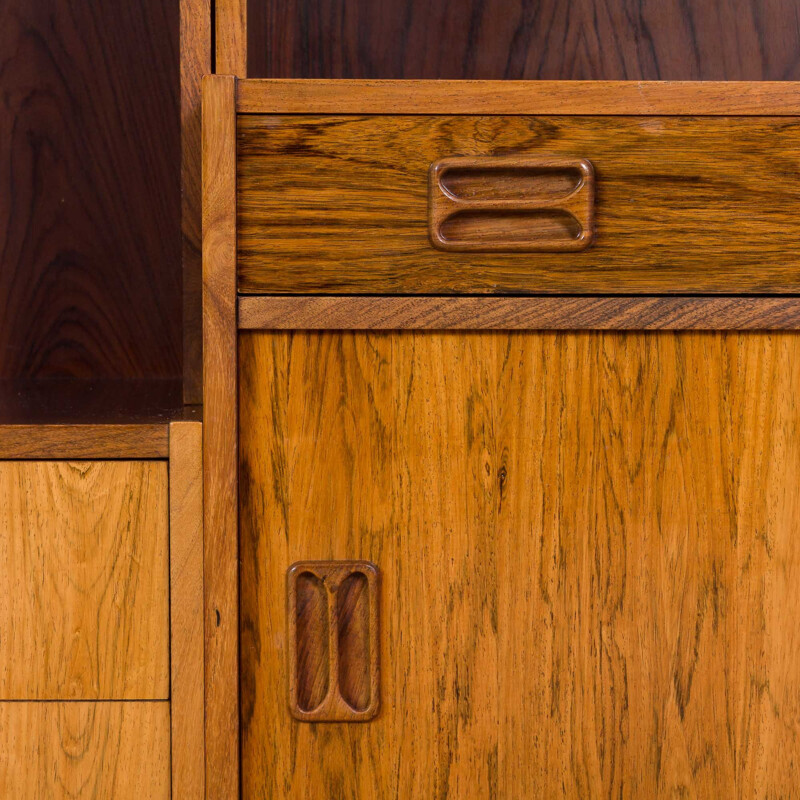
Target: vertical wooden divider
(186, 608)
(231, 33)
(195, 62)
(220, 438)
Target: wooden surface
(277, 312)
(221, 571)
(56, 401)
(85, 751)
(531, 39)
(84, 587)
(84, 441)
(659, 98)
(90, 182)
(332, 621)
(588, 551)
(230, 17)
(186, 609)
(683, 205)
(195, 38)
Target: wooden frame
(186, 609)
(519, 313)
(231, 37)
(591, 98)
(220, 463)
(195, 48)
(135, 441)
(225, 313)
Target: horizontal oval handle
(506, 203)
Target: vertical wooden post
(186, 608)
(220, 438)
(195, 62)
(231, 32)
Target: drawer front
(680, 204)
(85, 750)
(84, 588)
(588, 552)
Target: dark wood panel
(683, 205)
(90, 208)
(580, 39)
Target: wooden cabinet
(101, 682)
(573, 470)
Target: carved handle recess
(333, 641)
(511, 203)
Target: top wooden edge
(137, 441)
(664, 98)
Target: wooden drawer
(84, 589)
(682, 204)
(118, 750)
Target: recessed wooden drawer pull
(333, 641)
(511, 203)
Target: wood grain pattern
(683, 205)
(631, 98)
(84, 586)
(230, 17)
(278, 312)
(90, 181)
(85, 751)
(545, 39)
(221, 571)
(186, 609)
(84, 441)
(589, 557)
(195, 21)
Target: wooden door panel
(588, 551)
(84, 581)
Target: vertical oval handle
(333, 641)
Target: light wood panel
(589, 553)
(84, 441)
(278, 312)
(230, 22)
(85, 751)
(186, 609)
(683, 204)
(220, 545)
(84, 585)
(320, 96)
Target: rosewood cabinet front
(537, 544)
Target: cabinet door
(588, 550)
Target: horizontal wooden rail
(518, 313)
(664, 98)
